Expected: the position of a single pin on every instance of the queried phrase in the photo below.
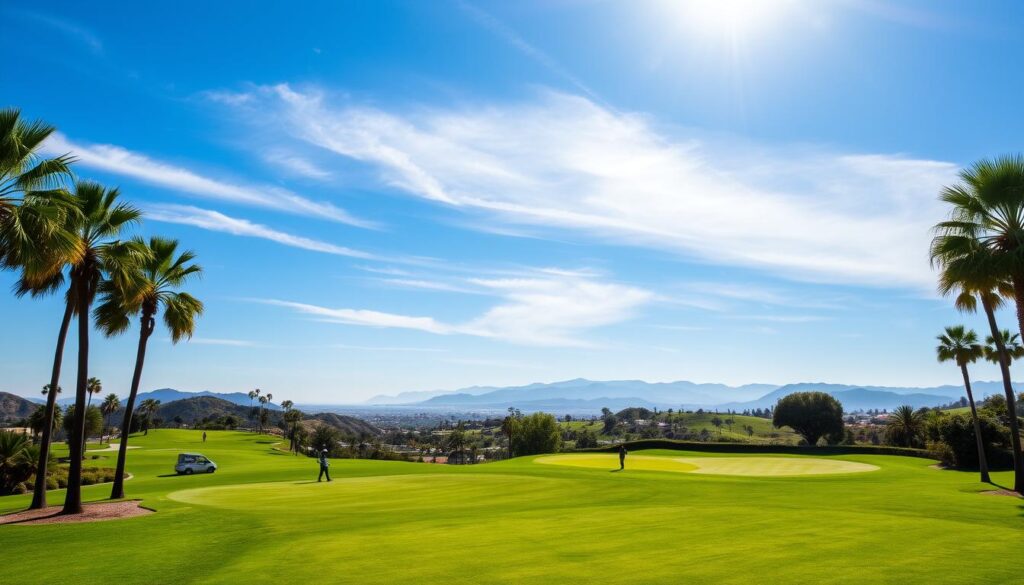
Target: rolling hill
(14, 407)
(197, 408)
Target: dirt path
(96, 512)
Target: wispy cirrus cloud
(120, 161)
(67, 28)
(565, 162)
(551, 311)
(218, 222)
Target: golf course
(670, 516)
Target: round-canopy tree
(811, 414)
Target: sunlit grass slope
(262, 518)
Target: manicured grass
(262, 518)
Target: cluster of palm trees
(979, 251)
(66, 235)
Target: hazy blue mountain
(667, 394)
(580, 394)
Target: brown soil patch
(1010, 493)
(96, 512)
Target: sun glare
(729, 18)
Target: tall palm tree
(252, 395)
(152, 287)
(961, 345)
(975, 274)
(111, 404)
(264, 400)
(93, 386)
(1014, 350)
(988, 207)
(96, 222)
(102, 220)
(33, 201)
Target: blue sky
(396, 196)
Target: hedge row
(758, 448)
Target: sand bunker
(743, 466)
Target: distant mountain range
(581, 395)
(165, 395)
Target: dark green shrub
(957, 431)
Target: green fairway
(263, 518)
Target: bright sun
(730, 18)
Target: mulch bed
(96, 512)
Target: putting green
(745, 466)
(610, 461)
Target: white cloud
(218, 222)
(120, 161)
(552, 311)
(295, 164)
(563, 161)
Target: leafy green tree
(535, 434)
(147, 289)
(980, 251)
(811, 414)
(717, 422)
(457, 441)
(37, 419)
(93, 424)
(960, 434)
(961, 346)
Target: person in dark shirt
(324, 466)
(622, 456)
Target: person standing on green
(324, 465)
(622, 456)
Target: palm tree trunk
(73, 499)
(1011, 403)
(146, 329)
(982, 461)
(39, 489)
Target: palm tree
(1014, 350)
(102, 220)
(151, 287)
(907, 424)
(33, 201)
(507, 426)
(293, 416)
(146, 410)
(252, 394)
(111, 404)
(975, 273)
(97, 220)
(93, 386)
(263, 402)
(961, 346)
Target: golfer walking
(324, 466)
